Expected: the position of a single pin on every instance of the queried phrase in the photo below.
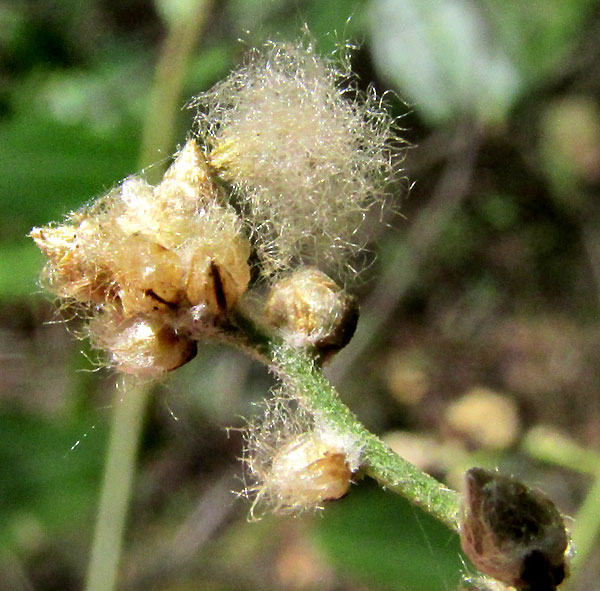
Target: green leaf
(537, 35)
(50, 483)
(456, 58)
(49, 168)
(438, 55)
(20, 266)
(381, 540)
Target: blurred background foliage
(479, 337)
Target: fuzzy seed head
(512, 533)
(159, 262)
(294, 463)
(305, 153)
(310, 309)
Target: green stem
(378, 460)
(118, 476)
(157, 139)
(159, 130)
(587, 526)
(548, 445)
(300, 372)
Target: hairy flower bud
(140, 345)
(310, 309)
(310, 470)
(513, 533)
(294, 462)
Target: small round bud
(139, 345)
(310, 471)
(310, 309)
(513, 533)
(294, 462)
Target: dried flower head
(310, 309)
(305, 152)
(513, 533)
(294, 461)
(151, 265)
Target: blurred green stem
(587, 525)
(129, 406)
(185, 20)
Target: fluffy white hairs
(305, 152)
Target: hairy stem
(297, 368)
(378, 460)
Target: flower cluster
(150, 266)
(287, 158)
(285, 164)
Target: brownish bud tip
(310, 309)
(513, 533)
(141, 346)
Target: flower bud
(513, 533)
(217, 276)
(310, 471)
(70, 273)
(149, 276)
(310, 309)
(294, 462)
(139, 345)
